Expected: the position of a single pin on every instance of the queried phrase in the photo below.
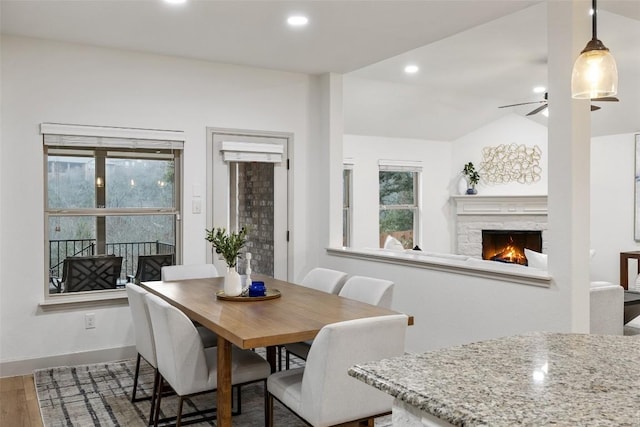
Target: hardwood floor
(18, 402)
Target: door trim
(213, 154)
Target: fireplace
(508, 245)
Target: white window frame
(414, 167)
(99, 137)
(347, 202)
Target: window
(399, 202)
(107, 196)
(347, 201)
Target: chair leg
(156, 379)
(268, 407)
(239, 391)
(279, 358)
(135, 379)
(179, 415)
(159, 395)
(286, 358)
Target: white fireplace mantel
(500, 205)
(473, 214)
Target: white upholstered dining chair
(369, 290)
(360, 288)
(325, 280)
(322, 393)
(320, 279)
(186, 364)
(189, 271)
(145, 344)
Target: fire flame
(510, 254)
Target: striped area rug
(100, 395)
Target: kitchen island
(532, 379)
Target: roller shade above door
(242, 151)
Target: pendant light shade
(595, 74)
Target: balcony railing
(61, 249)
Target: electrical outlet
(89, 321)
(196, 206)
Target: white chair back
(185, 272)
(606, 315)
(179, 349)
(393, 243)
(325, 280)
(142, 329)
(369, 290)
(329, 395)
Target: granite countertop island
(532, 379)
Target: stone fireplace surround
(476, 213)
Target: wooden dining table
(297, 315)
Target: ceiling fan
(545, 104)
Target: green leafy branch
(227, 244)
(470, 172)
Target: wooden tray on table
(271, 294)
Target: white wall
(366, 151)
(510, 129)
(452, 309)
(612, 203)
(65, 83)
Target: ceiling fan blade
(522, 103)
(537, 110)
(595, 108)
(606, 98)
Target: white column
(569, 129)
(330, 160)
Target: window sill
(92, 299)
(439, 262)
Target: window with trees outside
(108, 201)
(347, 200)
(399, 202)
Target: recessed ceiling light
(411, 69)
(539, 89)
(175, 1)
(297, 20)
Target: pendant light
(595, 74)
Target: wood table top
(298, 315)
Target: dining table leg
(223, 394)
(271, 357)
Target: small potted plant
(472, 177)
(228, 245)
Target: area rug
(100, 395)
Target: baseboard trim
(27, 366)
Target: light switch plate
(196, 206)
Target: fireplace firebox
(509, 245)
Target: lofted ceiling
(462, 81)
(368, 41)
